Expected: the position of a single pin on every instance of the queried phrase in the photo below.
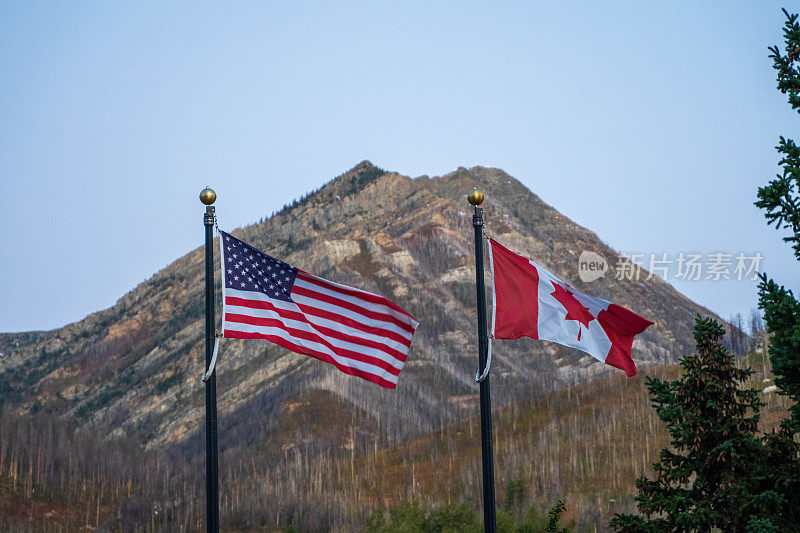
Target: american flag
(361, 333)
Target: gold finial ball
(208, 196)
(475, 197)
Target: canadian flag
(531, 302)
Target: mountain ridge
(132, 368)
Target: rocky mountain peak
(364, 165)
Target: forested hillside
(319, 469)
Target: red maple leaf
(575, 310)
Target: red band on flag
(621, 326)
(516, 283)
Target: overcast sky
(652, 125)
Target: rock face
(133, 370)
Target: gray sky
(652, 125)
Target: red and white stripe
(361, 333)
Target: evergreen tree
(711, 479)
(723, 467)
(780, 199)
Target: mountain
(131, 372)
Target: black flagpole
(208, 196)
(489, 521)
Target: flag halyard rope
(213, 364)
(478, 376)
